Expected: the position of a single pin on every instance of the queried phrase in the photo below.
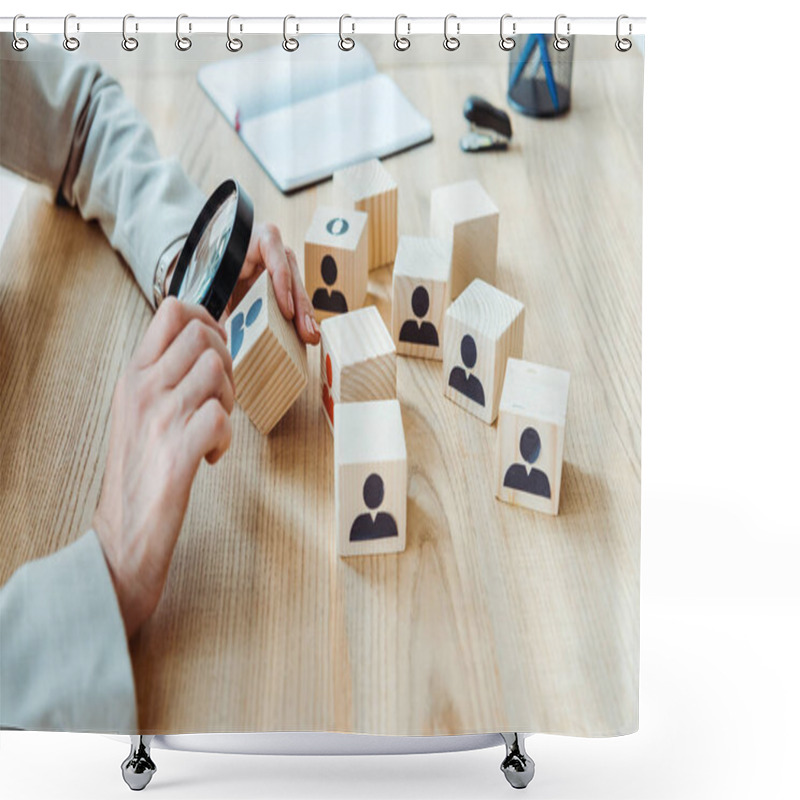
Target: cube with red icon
(358, 360)
(270, 368)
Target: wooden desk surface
(494, 618)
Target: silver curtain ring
(290, 44)
(233, 44)
(345, 42)
(451, 43)
(506, 42)
(401, 43)
(70, 42)
(183, 43)
(19, 44)
(623, 45)
(559, 42)
(129, 43)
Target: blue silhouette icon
(240, 322)
(338, 226)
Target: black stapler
(490, 127)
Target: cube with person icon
(370, 188)
(465, 215)
(483, 328)
(358, 360)
(420, 295)
(335, 256)
(530, 435)
(270, 368)
(370, 478)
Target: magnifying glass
(214, 253)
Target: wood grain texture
(464, 215)
(370, 188)
(337, 240)
(494, 618)
(270, 368)
(422, 265)
(483, 328)
(534, 399)
(370, 476)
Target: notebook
(306, 114)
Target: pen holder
(540, 77)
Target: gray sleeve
(64, 660)
(67, 124)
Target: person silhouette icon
(365, 527)
(419, 332)
(327, 397)
(469, 386)
(242, 321)
(333, 300)
(517, 475)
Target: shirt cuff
(167, 257)
(64, 659)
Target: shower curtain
(423, 511)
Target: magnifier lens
(215, 250)
(208, 253)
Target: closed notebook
(305, 114)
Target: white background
(720, 602)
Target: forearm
(67, 124)
(64, 660)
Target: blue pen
(523, 60)
(548, 71)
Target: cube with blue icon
(270, 368)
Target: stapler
(490, 127)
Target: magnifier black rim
(230, 265)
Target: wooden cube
(370, 478)
(466, 216)
(530, 435)
(336, 260)
(483, 328)
(370, 188)
(358, 360)
(270, 368)
(420, 295)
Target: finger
(273, 255)
(251, 269)
(304, 322)
(187, 348)
(206, 379)
(207, 433)
(170, 319)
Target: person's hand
(171, 408)
(267, 251)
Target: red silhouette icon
(327, 397)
